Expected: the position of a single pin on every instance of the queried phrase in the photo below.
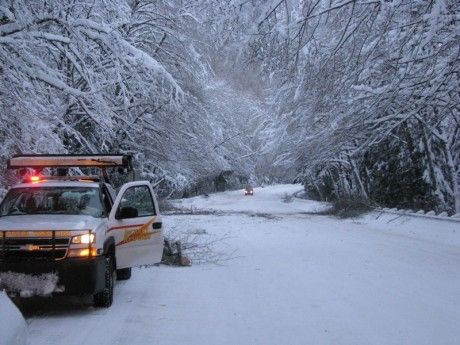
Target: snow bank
(26, 285)
(13, 328)
(433, 230)
(421, 213)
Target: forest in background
(356, 99)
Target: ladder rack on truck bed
(64, 161)
(70, 161)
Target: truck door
(136, 226)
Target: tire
(104, 298)
(124, 273)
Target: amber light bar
(69, 161)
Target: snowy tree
(352, 77)
(353, 98)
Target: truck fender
(109, 246)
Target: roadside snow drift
(13, 328)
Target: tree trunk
(454, 178)
(358, 179)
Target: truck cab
(78, 227)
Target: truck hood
(49, 222)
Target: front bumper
(79, 276)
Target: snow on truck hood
(49, 222)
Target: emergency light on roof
(82, 178)
(34, 178)
(70, 161)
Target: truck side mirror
(126, 212)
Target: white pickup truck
(77, 226)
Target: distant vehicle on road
(248, 190)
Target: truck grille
(32, 248)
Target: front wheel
(104, 298)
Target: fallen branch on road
(196, 245)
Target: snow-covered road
(296, 278)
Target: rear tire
(104, 298)
(124, 273)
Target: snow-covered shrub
(348, 208)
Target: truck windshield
(52, 200)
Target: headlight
(84, 239)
